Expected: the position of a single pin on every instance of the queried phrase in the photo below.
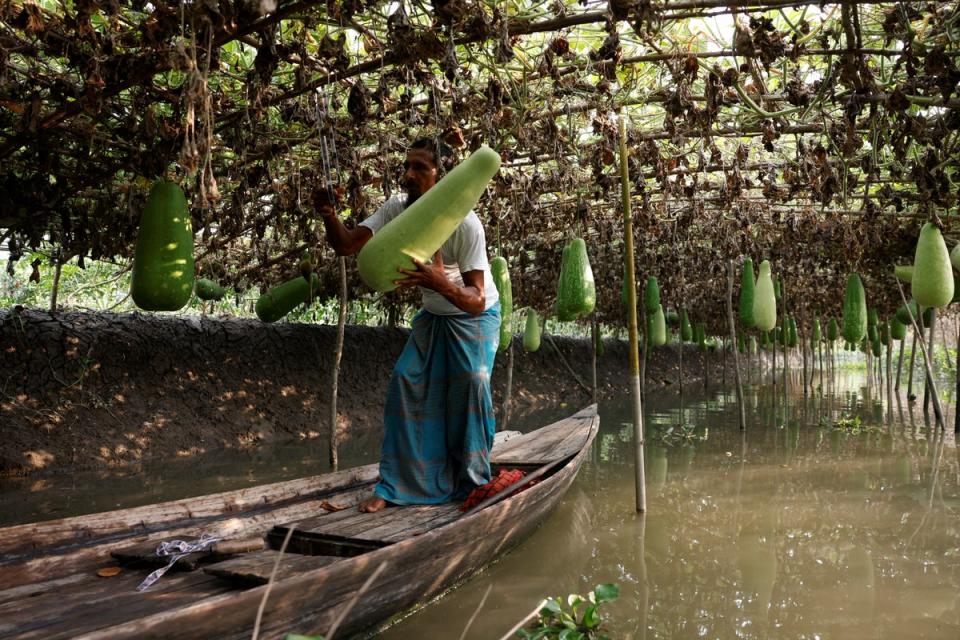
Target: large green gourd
(903, 273)
(531, 333)
(764, 302)
(284, 298)
(932, 283)
(875, 347)
(651, 295)
(833, 330)
(208, 289)
(898, 330)
(686, 331)
(576, 292)
(424, 226)
(500, 272)
(657, 328)
(854, 310)
(163, 258)
(747, 286)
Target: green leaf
(571, 634)
(551, 608)
(606, 593)
(591, 617)
(297, 636)
(574, 600)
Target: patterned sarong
(438, 419)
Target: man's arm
(469, 298)
(345, 242)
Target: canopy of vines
(819, 136)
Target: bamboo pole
(913, 357)
(594, 333)
(956, 399)
(337, 355)
(508, 392)
(639, 480)
(56, 282)
(733, 340)
(896, 386)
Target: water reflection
(795, 529)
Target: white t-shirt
(465, 250)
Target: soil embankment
(82, 390)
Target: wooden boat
(55, 583)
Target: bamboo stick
(335, 372)
(733, 340)
(927, 357)
(638, 437)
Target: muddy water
(795, 530)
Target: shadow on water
(834, 516)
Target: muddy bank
(81, 390)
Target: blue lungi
(438, 419)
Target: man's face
(419, 173)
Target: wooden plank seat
(252, 569)
(559, 440)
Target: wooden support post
(956, 398)
(508, 392)
(896, 385)
(913, 357)
(57, 270)
(733, 340)
(595, 335)
(927, 357)
(639, 480)
(337, 355)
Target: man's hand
(429, 276)
(325, 200)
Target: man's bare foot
(372, 504)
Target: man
(438, 418)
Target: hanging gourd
(932, 284)
(854, 310)
(576, 291)
(776, 289)
(500, 271)
(872, 324)
(912, 309)
(672, 317)
(816, 334)
(162, 278)
(792, 339)
(955, 257)
(651, 296)
(764, 302)
(752, 344)
(741, 343)
(702, 338)
(208, 290)
(747, 286)
(657, 328)
(883, 331)
(875, 347)
(284, 298)
(898, 330)
(833, 330)
(531, 333)
(686, 331)
(903, 273)
(425, 225)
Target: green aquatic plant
(578, 618)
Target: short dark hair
(443, 156)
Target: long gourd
(854, 310)
(424, 226)
(500, 272)
(284, 298)
(932, 283)
(764, 303)
(207, 289)
(898, 330)
(651, 295)
(576, 291)
(162, 277)
(686, 330)
(657, 328)
(833, 330)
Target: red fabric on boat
(504, 479)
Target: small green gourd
(904, 273)
(657, 328)
(792, 338)
(500, 271)
(833, 330)
(816, 335)
(686, 330)
(883, 331)
(207, 289)
(284, 298)
(898, 330)
(764, 302)
(932, 284)
(531, 333)
(651, 295)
